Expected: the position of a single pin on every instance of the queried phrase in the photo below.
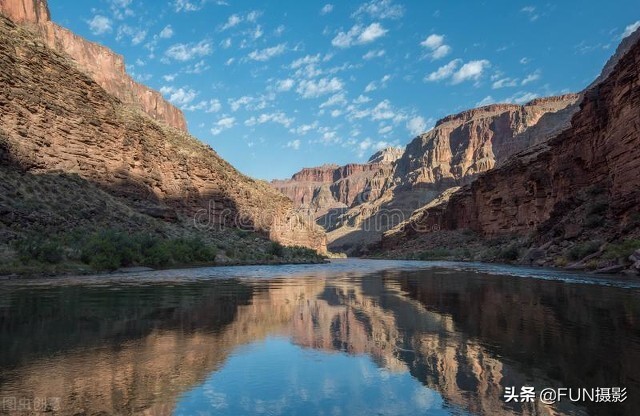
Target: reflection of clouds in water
(383, 373)
(328, 386)
(216, 400)
(424, 398)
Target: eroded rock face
(317, 190)
(452, 154)
(101, 64)
(562, 187)
(463, 145)
(54, 118)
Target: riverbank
(593, 256)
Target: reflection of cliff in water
(465, 336)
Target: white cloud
(371, 33)
(277, 117)
(285, 84)
(521, 97)
(137, 35)
(472, 70)
(263, 55)
(304, 129)
(167, 32)
(441, 52)
(374, 54)
(362, 99)
(187, 51)
(485, 101)
(242, 101)
(531, 11)
(197, 68)
(169, 77)
(233, 21)
(335, 100)
(416, 125)
(433, 41)
(385, 130)
(504, 82)
(525, 60)
(380, 9)
(369, 145)
(372, 86)
(306, 60)
(294, 144)
(120, 9)
(222, 124)
(444, 71)
(317, 88)
(359, 35)
(179, 96)
(100, 25)
(326, 9)
(210, 106)
(531, 77)
(630, 29)
(188, 5)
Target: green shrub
(621, 250)
(109, 250)
(276, 249)
(580, 251)
(509, 253)
(36, 248)
(438, 253)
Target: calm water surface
(354, 337)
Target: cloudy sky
(276, 85)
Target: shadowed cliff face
(129, 349)
(100, 63)
(551, 188)
(55, 118)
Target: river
(353, 337)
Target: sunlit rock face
(102, 64)
(331, 188)
(550, 187)
(458, 149)
(55, 118)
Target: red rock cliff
(55, 118)
(558, 188)
(316, 190)
(103, 65)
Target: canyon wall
(100, 63)
(56, 118)
(583, 182)
(316, 191)
(458, 149)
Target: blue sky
(277, 85)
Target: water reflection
(397, 342)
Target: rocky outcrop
(461, 146)
(55, 118)
(584, 183)
(100, 63)
(316, 191)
